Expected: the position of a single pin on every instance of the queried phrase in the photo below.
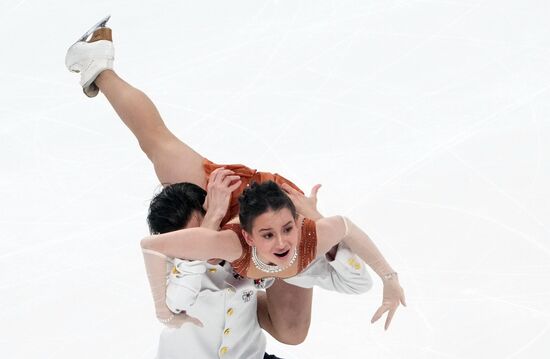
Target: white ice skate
(91, 54)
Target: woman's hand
(393, 295)
(306, 206)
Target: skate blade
(101, 23)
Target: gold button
(354, 264)
(212, 270)
(227, 331)
(175, 270)
(223, 350)
(230, 312)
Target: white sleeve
(347, 273)
(184, 285)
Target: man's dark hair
(260, 198)
(172, 208)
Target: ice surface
(427, 122)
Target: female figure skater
(275, 241)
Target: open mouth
(282, 254)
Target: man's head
(177, 206)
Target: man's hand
(306, 206)
(179, 319)
(218, 193)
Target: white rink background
(427, 122)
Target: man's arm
(218, 195)
(204, 242)
(184, 276)
(184, 283)
(344, 273)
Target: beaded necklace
(268, 268)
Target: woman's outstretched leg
(92, 56)
(173, 160)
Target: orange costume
(248, 176)
(308, 242)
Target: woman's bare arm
(195, 244)
(158, 251)
(332, 230)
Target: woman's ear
(247, 238)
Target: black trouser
(271, 356)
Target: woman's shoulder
(329, 225)
(231, 239)
(325, 226)
(330, 231)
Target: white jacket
(226, 304)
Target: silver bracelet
(389, 276)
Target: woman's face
(275, 236)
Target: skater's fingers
(181, 319)
(214, 175)
(218, 177)
(228, 179)
(389, 318)
(225, 172)
(195, 321)
(216, 171)
(235, 185)
(220, 173)
(314, 191)
(402, 300)
(383, 308)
